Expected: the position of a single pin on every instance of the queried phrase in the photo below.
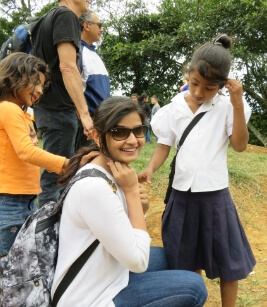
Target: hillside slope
(248, 186)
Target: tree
(16, 13)
(24, 7)
(147, 52)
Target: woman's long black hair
(106, 117)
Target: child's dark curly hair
(18, 70)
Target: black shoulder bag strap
(73, 271)
(191, 125)
(81, 260)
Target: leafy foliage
(17, 12)
(147, 52)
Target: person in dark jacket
(143, 102)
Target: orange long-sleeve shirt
(20, 156)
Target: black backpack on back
(23, 38)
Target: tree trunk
(257, 134)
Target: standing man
(95, 79)
(55, 114)
(156, 106)
(143, 103)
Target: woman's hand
(144, 197)
(126, 178)
(124, 175)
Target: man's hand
(73, 82)
(87, 123)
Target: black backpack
(27, 271)
(23, 38)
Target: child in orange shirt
(22, 79)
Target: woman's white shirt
(92, 211)
(201, 163)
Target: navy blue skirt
(203, 231)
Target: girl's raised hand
(235, 89)
(124, 175)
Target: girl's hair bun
(223, 40)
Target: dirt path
(253, 290)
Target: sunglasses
(99, 24)
(122, 133)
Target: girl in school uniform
(200, 228)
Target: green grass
(245, 169)
(247, 173)
(160, 177)
(250, 300)
(246, 166)
(248, 179)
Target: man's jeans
(59, 129)
(148, 131)
(160, 287)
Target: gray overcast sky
(151, 4)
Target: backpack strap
(93, 172)
(82, 259)
(41, 225)
(73, 271)
(191, 125)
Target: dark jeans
(148, 131)
(81, 138)
(59, 129)
(148, 136)
(161, 287)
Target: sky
(151, 4)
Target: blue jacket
(95, 79)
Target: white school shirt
(92, 210)
(201, 163)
